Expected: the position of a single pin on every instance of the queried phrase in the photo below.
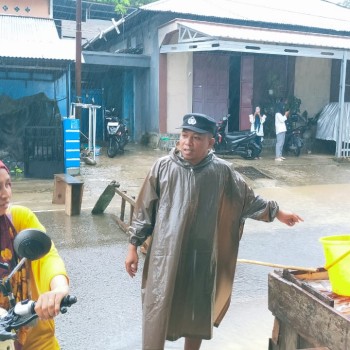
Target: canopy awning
(208, 36)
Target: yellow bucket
(336, 249)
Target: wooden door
(210, 84)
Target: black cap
(200, 123)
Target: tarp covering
(328, 123)
(15, 115)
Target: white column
(341, 119)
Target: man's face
(194, 146)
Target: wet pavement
(108, 313)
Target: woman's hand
(48, 305)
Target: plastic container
(97, 150)
(334, 247)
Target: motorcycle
(241, 143)
(293, 142)
(29, 244)
(117, 131)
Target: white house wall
(179, 87)
(312, 79)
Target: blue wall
(128, 101)
(26, 84)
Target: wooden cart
(307, 314)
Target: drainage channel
(251, 172)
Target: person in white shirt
(257, 121)
(281, 128)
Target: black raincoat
(195, 215)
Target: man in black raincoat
(194, 205)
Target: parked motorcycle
(117, 131)
(240, 143)
(294, 136)
(29, 244)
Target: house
(34, 58)
(100, 84)
(35, 79)
(224, 56)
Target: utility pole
(78, 58)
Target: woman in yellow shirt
(44, 280)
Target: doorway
(234, 92)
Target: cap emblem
(192, 121)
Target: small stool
(69, 191)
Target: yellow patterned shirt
(41, 336)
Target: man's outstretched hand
(287, 217)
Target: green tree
(121, 6)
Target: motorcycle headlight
(113, 129)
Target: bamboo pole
(289, 267)
(144, 248)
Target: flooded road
(108, 313)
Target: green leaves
(121, 6)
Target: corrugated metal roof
(89, 29)
(28, 37)
(305, 13)
(272, 36)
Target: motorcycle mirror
(32, 244)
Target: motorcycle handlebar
(27, 307)
(23, 313)
(66, 302)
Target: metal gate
(345, 149)
(43, 152)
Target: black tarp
(18, 114)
